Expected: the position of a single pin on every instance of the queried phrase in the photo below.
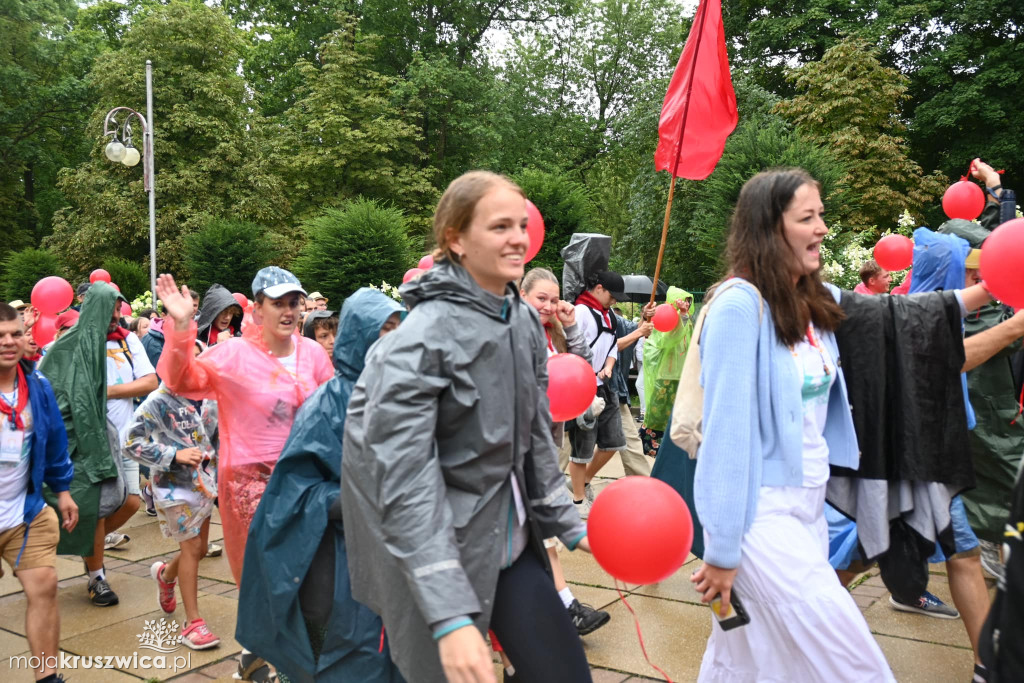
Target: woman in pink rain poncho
(259, 381)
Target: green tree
(131, 276)
(360, 243)
(850, 103)
(43, 95)
(566, 208)
(23, 269)
(229, 253)
(209, 149)
(344, 137)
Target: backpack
(688, 408)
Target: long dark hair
(757, 250)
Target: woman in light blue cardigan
(776, 415)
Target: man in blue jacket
(33, 450)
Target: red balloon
(412, 274)
(535, 229)
(963, 199)
(894, 252)
(99, 275)
(242, 300)
(1001, 265)
(426, 263)
(52, 294)
(572, 386)
(45, 329)
(640, 530)
(115, 286)
(126, 310)
(665, 318)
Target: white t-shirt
(289, 362)
(604, 348)
(121, 371)
(816, 367)
(14, 472)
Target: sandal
(254, 668)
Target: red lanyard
(14, 412)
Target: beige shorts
(41, 547)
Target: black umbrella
(637, 289)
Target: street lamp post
(126, 154)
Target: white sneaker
(990, 560)
(115, 540)
(583, 508)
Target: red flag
(699, 111)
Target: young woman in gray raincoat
(450, 480)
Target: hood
(451, 282)
(938, 261)
(157, 325)
(974, 233)
(307, 326)
(216, 300)
(675, 293)
(362, 316)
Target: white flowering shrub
(388, 289)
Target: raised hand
(566, 313)
(178, 304)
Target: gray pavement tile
(11, 643)
(885, 620)
(221, 669)
(66, 568)
(870, 591)
(912, 661)
(146, 542)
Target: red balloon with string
(572, 386)
(535, 229)
(963, 199)
(45, 329)
(52, 294)
(665, 318)
(894, 252)
(99, 275)
(640, 530)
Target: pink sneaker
(165, 589)
(198, 637)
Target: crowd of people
(394, 492)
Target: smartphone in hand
(732, 616)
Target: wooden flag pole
(702, 10)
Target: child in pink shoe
(174, 437)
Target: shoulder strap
(127, 353)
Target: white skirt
(804, 625)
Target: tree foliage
(850, 103)
(131, 276)
(23, 269)
(566, 208)
(352, 246)
(229, 253)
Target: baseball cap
(613, 282)
(83, 288)
(66, 319)
(275, 282)
(973, 260)
(316, 296)
(17, 304)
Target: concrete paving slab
(79, 675)
(216, 568)
(122, 638)
(581, 568)
(78, 615)
(675, 587)
(883, 619)
(674, 634)
(11, 644)
(147, 542)
(66, 568)
(912, 661)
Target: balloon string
(639, 634)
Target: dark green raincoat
(76, 366)
(299, 519)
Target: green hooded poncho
(664, 353)
(76, 366)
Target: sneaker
(928, 605)
(115, 540)
(101, 594)
(252, 667)
(213, 550)
(585, 618)
(198, 637)
(583, 508)
(990, 560)
(588, 491)
(164, 589)
(147, 496)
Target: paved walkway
(675, 625)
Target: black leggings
(533, 626)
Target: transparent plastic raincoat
(257, 398)
(664, 353)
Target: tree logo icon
(160, 636)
